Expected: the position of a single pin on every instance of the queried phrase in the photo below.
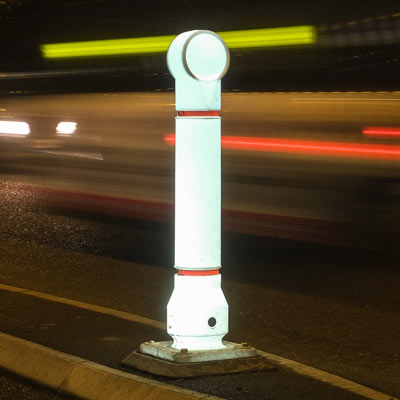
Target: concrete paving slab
(84, 379)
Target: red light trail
(381, 131)
(315, 147)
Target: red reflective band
(196, 272)
(198, 113)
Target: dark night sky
(68, 20)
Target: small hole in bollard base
(212, 322)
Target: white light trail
(66, 128)
(14, 128)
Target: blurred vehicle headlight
(14, 128)
(66, 128)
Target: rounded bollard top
(201, 54)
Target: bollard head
(198, 60)
(200, 54)
(206, 56)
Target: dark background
(336, 62)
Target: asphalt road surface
(15, 388)
(309, 244)
(331, 307)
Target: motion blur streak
(14, 128)
(159, 44)
(381, 131)
(269, 37)
(143, 45)
(337, 149)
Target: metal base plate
(161, 359)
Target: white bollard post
(197, 312)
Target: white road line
(295, 366)
(86, 306)
(91, 156)
(326, 377)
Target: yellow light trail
(252, 38)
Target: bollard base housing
(159, 358)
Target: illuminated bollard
(197, 312)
